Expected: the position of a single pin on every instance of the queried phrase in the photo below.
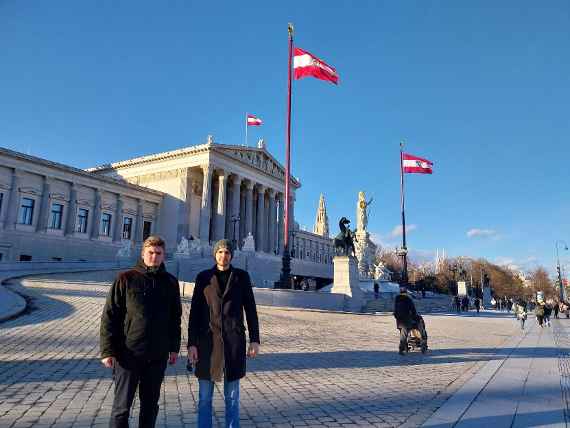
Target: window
(127, 227)
(82, 218)
(1, 199)
(25, 258)
(1, 256)
(147, 226)
(56, 216)
(105, 224)
(57, 259)
(27, 211)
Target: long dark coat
(216, 325)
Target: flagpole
(404, 251)
(246, 126)
(286, 260)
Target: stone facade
(50, 211)
(214, 191)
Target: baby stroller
(417, 337)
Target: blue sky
(481, 89)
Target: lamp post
(560, 241)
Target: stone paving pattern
(316, 368)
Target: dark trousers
(404, 331)
(147, 375)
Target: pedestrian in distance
(216, 333)
(521, 314)
(539, 313)
(406, 316)
(556, 309)
(547, 313)
(477, 303)
(376, 290)
(140, 333)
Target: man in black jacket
(140, 332)
(406, 316)
(216, 332)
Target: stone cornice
(152, 158)
(225, 150)
(75, 171)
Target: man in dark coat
(406, 317)
(140, 332)
(216, 332)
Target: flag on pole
(253, 121)
(306, 64)
(413, 164)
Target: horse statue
(344, 241)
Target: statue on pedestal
(344, 241)
(362, 212)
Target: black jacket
(216, 324)
(142, 315)
(404, 310)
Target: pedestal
(346, 282)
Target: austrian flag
(306, 64)
(253, 121)
(413, 164)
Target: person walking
(521, 313)
(406, 317)
(556, 309)
(539, 313)
(477, 303)
(376, 290)
(140, 333)
(216, 333)
(547, 313)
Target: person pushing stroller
(407, 320)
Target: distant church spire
(322, 220)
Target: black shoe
(401, 352)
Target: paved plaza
(316, 368)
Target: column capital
(261, 188)
(207, 168)
(250, 185)
(236, 178)
(272, 192)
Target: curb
(20, 304)
(456, 405)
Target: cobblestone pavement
(316, 368)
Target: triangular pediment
(258, 158)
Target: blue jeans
(231, 398)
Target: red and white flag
(413, 164)
(253, 121)
(306, 64)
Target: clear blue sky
(480, 89)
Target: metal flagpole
(404, 251)
(286, 260)
(246, 126)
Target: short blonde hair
(154, 241)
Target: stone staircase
(385, 303)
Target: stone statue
(125, 250)
(248, 243)
(344, 241)
(362, 212)
(183, 247)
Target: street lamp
(560, 241)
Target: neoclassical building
(50, 211)
(214, 191)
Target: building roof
(72, 170)
(224, 149)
